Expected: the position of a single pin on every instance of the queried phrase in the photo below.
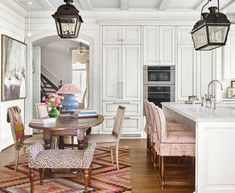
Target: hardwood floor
(143, 178)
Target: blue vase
(69, 103)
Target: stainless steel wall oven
(159, 84)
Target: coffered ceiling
(226, 6)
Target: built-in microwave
(157, 75)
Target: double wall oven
(159, 84)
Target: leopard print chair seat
(38, 158)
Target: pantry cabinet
(122, 77)
(121, 72)
(121, 35)
(159, 45)
(194, 72)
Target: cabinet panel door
(130, 34)
(130, 124)
(167, 45)
(131, 72)
(204, 72)
(111, 72)
(151, 46)
(229, 56)
(184, 35)
(185, 73)
(112, 35)
(132, 108)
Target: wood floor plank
(143, 178)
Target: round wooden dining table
(67, 126)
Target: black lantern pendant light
(68, 20)
(212, 30)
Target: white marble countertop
(223, 112)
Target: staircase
(49, 83)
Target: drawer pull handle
(127, 118)
(121, 102)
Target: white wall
(56, 57)
(13, 25)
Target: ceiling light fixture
(68, 20)
(212, 30)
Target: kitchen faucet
(209, 96)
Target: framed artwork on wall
(13, 71)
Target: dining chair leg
(41, 175)
(24, 156)
(162, 171)
(72, 141)
(16, 159)
(117, 156)
(90, 173)
(111, 153)
(86, 178)
(31, 177)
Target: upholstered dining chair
(41, 110)
(82, 103)
(111, 140)
(38, 158)
(171, 142)
(17, 128)
(147, 128)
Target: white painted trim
(124, 4)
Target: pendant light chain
(205, 6)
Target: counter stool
(170, 142)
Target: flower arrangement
(53, 100)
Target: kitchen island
(215, 144)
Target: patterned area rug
(105, 177)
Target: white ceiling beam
(164, 5)
(124, 4)
(230, 6)
(46, 5)
(86, 5)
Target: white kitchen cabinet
(186, 72)
(229, 56)
(131, 124)
(122, 77)
(112, 61)
(184, 35)
(194, 72)
(159, 45)
(121, 35)
(132, 108)
(121, 72)
(204, 72)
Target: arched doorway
(41, 41)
